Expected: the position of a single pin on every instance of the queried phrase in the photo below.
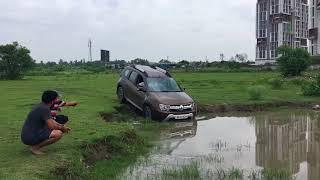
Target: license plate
(181, 116)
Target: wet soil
(122, 113)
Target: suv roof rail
(153, 67)
(139, 69)
(161, 70)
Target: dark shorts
(43, 135)
(61, 119)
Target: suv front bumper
(179, 116)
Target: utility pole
(90, 49)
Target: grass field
(96, 93)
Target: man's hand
(65, 129)
(72, 103)
(53, 125)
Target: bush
(298, 81)
(256, 92)
(276, 83)
(292, 62)
(312, 88)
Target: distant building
(314, 31)
(105, 55)
(280, 22)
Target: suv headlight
(164, 107)
(193, 106)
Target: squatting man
(43, 126)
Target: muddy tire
(147, 112)
(120, 94)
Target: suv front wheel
(120, 94)
(147, 112)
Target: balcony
(261, 41)
(313, 33)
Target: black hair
(48, 96)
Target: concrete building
(280, 22)
(314, 32)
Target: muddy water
(288, 140)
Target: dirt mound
(121, 145)
(110, 146)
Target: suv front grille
(181, 108)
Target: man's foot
(36, 151)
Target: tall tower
(314, 31)
(280, 22)
(90, 49)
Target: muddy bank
(122, 113)
(233, 108)
(110, 146)
(125, 143)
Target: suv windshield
(163, 85)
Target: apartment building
(280, 22)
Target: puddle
(288, 141)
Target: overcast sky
(152, 29)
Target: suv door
(125, 81)
(130, 90)
(137, 95)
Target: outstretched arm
(71, 103)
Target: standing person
(40, 129)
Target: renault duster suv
(153, 91)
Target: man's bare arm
(72, 103)
(53, 125)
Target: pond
(283, 145)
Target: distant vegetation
(15, 60)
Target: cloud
(153, 29)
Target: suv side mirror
(141, 87)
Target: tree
(164, 61)
(232, 59)
(241, 57)
(292, 62)
(183, 63)
(14, 61)
(140, 61)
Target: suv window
(126, 73)
(140, 79)
(133, 77)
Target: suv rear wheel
(120, 94)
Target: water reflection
(276, 140)
(287, 140)
(175, 135)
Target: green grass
(96, 93)
(190, 171)
(232, 88)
